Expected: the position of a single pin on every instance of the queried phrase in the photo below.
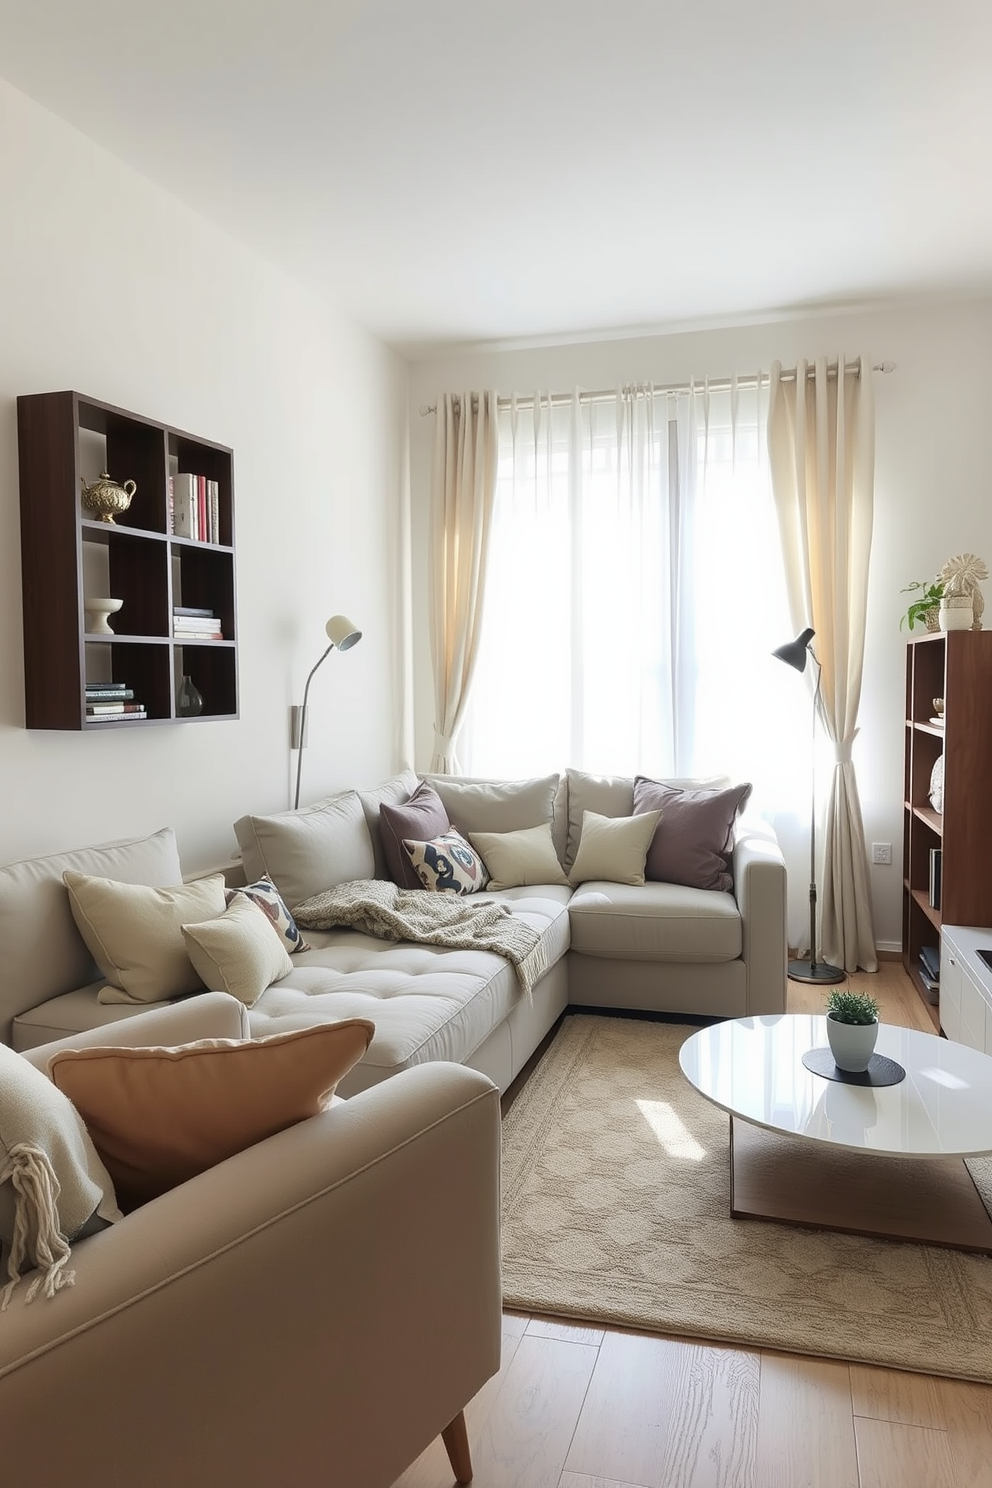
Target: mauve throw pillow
(695, 835)
(420, 819)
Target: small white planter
(851, 1044)
(957, 612)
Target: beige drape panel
(462, 500)
(821, 445)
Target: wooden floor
(583, 1407)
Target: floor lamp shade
(796, 654)
(342, 634)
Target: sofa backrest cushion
(475, 804)
(43, 953)
(389, 793)
(305, 852)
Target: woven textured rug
(616, 1209)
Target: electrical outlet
(881, 852)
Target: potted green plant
(852, 1028)
(927, 608)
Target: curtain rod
(717, 385)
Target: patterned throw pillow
(268, 898)
(447, 864)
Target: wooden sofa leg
(455, 1438)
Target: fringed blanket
(380, 908)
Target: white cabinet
(966, 986)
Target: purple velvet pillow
(420, 819)
(694, 839)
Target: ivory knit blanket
(465, 924)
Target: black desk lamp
(794, 653)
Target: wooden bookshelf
(956, 666)
(67, 555)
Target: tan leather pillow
(159, 1116)
(134, 933)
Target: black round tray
(880, 1071)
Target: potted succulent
(927, 607)
(852, 1028)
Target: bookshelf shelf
(956, 666)
(66, 555)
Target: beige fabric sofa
(657, 947)
(278, 1319)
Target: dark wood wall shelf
(956, 666)
(138, 559)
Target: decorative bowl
(98, 612)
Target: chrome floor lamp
(342, 634)
(795, 654)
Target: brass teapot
(104, 496)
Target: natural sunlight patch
(943, 1077)
(672, 1133)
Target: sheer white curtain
(635, 593)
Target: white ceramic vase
(957, 612)
(851, 1044)
(98, 612)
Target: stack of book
(112, 702)
(192, 624)
(930, 972)
(194, 507)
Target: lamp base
(820, 971)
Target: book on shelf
(132, 717)
(936, 861)
(95, 710)
(195, 507)
(184, 515)
(109, 694)
(196, 622)
(930, 961)
(193, 610)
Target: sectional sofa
(656, 946)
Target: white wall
(111, 287)
(933, 492)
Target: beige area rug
(616, 1195)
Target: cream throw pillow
(238, 953)
(613, 848)
(134, 933)
(515, 859)
(159, 1116)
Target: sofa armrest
(760, 887)
(315, 1309)
(210, 1015)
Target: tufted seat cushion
(655, 922)
(427, 1002)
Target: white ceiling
(451, 171)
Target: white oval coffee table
(812, 1151)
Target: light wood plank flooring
(587, 1407)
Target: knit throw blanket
(465, 924)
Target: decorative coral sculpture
(961, 576)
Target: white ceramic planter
(957, 612)
(98, 612)
(851, 1044)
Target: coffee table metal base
(932, 1201)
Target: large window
(634, 594)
